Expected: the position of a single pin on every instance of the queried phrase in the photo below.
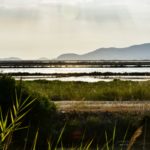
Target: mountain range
(135, 52)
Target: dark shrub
(39, 117)
(7, 91)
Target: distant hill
(69, 56)
(10, 58)
(43, 58)
(135, 52)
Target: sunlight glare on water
(73, 70)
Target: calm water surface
(78, 70)
(73, 70)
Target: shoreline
(83, 77)
(105, 74)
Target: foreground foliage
(12, 121)
(36, 124)
(40, 114)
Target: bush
(40, 116)
(7, 91)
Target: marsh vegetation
(47, 128)
(100, 91)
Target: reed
(12, 121)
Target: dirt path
(103, 106)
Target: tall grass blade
(124, 138)
(12, 117)
(97, 148)
(113, 138)
(107, 143)
(62, 147)
(19, 117)
(15, 111)
(26, 104)
(89, 145)
(49, 145)
(81, 145)
(35, 140)
(133, 139)
(60, 136)
(17, 99)
(144, 140)
(26, 139)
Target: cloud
(38, 3)
(58, 26)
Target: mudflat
(103, 106)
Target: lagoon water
(73, 70)
(79, 70)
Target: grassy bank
(116, 90)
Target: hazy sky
(46, 28)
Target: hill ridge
(134, 52)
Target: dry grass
(103, 106)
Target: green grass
(115, 90)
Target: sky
(31, 29)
